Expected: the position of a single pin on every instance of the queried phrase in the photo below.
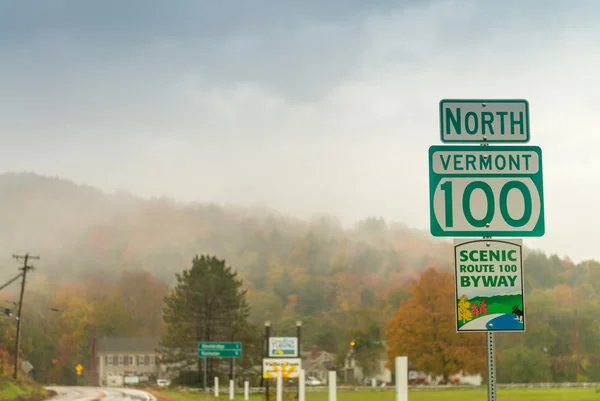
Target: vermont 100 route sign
(491, 191)
(489, 285)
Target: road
(99, 394)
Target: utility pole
(24, 269)
(577, 345)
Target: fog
(308, 109)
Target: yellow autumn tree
(464, 309)
(424, 329)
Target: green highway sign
(480, 120)
(494, 191)
(219, 350)
(489, 285)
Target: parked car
(312, 381)
(163, 382)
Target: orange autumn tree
(424, 329)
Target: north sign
(479, 120)
(220, 350)
(494, 191)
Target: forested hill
(78, 228)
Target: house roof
(127, 344)
(322, 362)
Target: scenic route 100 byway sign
(489, 285)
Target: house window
(108, 360)
(146, 360)
(140, 360)
(121, 360)
(115, 360)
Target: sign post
(78, 368)
(487, 191)
(218, 350)
(283, 353)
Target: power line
(24, 271)
(9, 282)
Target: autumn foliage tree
(424, 329)
(483, 310)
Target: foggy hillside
(77, 228)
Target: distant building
(125, 360)
(353, 372)
(317, 364)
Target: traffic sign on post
(489, 285)
(220, 350)
(283, 347)
(289, 367)
(492, 191)
(480, 120)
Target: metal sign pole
(490, 346)
(491, 365)
(491, 359)
(205, 385)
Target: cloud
(310, 107)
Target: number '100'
(491, 203)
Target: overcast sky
(308, 106)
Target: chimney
(314, 352)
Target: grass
(22, 390)
(559, 394)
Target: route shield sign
(482, 120)
(489, 285)
(492, 191)
(219, 350)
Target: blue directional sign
(220, 350)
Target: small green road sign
(492, 191)
(489, 285)
(480, 120)
(219, 350)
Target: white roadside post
(401, 378)
(231, 390)
(279, 386)
(332, 386)
(301, 384)
(246, 390)
(216, 386)
(469, 188)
